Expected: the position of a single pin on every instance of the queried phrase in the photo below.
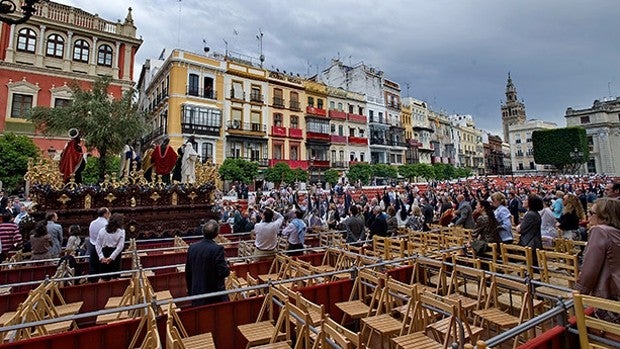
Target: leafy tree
(359, 171)
(104, 123)
(239, 170)
(280, 172)
(384, 170)
(462, 172)
(565, 148)
(409, 171)
(425, 171)
(443, 171)
(331, 176)
(300, 175)
(91, 171)
(14, 153)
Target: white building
(522, 148)
(602, 124)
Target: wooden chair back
(595, 327)
(518, 255)
(558, 268)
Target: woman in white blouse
(109, 245)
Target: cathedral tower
(513, 111)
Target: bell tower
(513, 111)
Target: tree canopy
(239, 170)
(14, 153)
(565, 148)
(359, 171)
(104, 123)
(331, 176)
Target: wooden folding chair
(277, 270)
(467, 285)
(426, 311)
(501, 313)
(151, 337)
(395, 295)
(261, 331)
(518, 255)
(561, 269)
(365, 295)
(429, 274)
(599, 327)
(177, 337)
(338, 334)
(441, 328)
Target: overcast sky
(454, 54)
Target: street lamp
(577, 157)
(9, 7)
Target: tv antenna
(260, 43)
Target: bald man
(465, 213)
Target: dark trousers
(111, 267)
(93, 263)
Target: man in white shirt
(267, 234)
(103, 214)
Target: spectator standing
(548, 227)
(465, 214)
(487, 227)
(103, 214)
(266, 232)
(379, 224)
(206, 267)
(55, 231)
(572, 214)
(23, 213)
(74, 242)
(558, 204)
(600, 271)
(40, 242)
(10, 238)
(295, 233)
(502, 214)
(354, 225)
(530, 227)
(109, 245)
(514, 206)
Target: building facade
(602, 124)
(522, 148)
(57, 46)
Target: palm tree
(105, 124)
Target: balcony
(208, 92)
(338, 139)
(337, 115)
(198, 129)
(378, 141)
(396, 143)
(294, 164)
(278, 131)
(256, 97)
(240, 126)
(351, 163)
(260, 162)
(324, 137)
(319, 164)
(395, 105)
(356, 118)
(294, 106)
(295, 133)
(316, 111)
(340, 164)
(358, 141)
(239, 96)
(278, 102)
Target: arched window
(104, 56)
(26, 40)
(80, 51)
(55, 46)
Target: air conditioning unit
(236, 124)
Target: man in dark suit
(206, 267)
(514, 206)
(379, 224)
(465, 213)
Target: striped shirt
(10, 237)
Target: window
(351, 108)
(200, 116)
(294, 101)
(351, 131)
(277, 119)
(255, 94)
(333, 156)
(193, 85)
(21, 105)
(311, 101)
(340, 106)
(278, 100)
(294, 152)
(341, 155)
(532, 165)
(255, 118)
(237, 118)
(207, 152)
(332, 105)
(104, 56)
(26, 40)
(585, 119)
(319, 103)
(371, 115)
(55, 46)
(237, 90)
(278, 151)
(362, 157)
(352, 156)
(208, 84)
(294, 121)
(340, 130)
(333, 128)
(62, 103)
(81, 51)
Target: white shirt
(95, 226)
(105, 239)
(267, 233)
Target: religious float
(151, 208)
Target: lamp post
(577, 157)
(9, 7)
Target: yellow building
(286, 136)
(183, 95)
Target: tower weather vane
(9, 8)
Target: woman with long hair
(530, 225)
(109, 245)
(600, 271)
(487, 228)
(572, 214)
(40, 242)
